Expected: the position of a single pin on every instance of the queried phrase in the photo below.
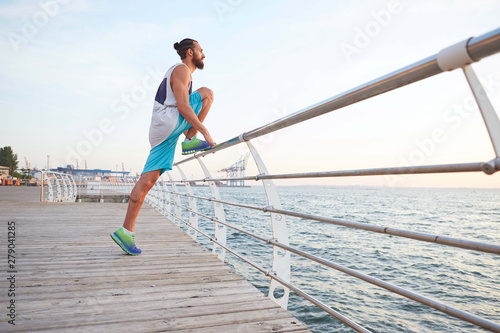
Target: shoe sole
(124, 248)
(192, 151)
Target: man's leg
(207, 98)
(137, 196)
(124, 236)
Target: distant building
(92, 174)
(4, 170)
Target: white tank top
(165, 113)
(169, 99)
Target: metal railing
(61, 187)
(160, 197)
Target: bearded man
(177, 110)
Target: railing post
(157, 188)
(101, 190)
(193, 217)
(72, 188)
(152, 196)
(59, 188)
(75, 189)
(281, 258)
(220, 229)
(67, 188)
(487, 111)
(177, 201)
(50, 191)
(41, 192)
(166, 198)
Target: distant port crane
(236, 170)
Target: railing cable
(442, 240)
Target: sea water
(467, 280)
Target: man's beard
(198, 63)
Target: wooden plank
(274, 325)
(165, 294)
(72, 277)
(112, 295)
(67, 286)
(158, 321)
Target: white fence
(60, 187)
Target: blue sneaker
(126, 242)
(194, 146)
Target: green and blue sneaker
(125, 241)
(194, 145)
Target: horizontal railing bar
(57, 173)
(218, 201)
(444, 168)
(442, 240)
(216, 179)
(270, 274)
(478, 47)
(349, 322)
(484, 45)
(212, 239)
(213, 219)
(463, 315)
(321, 305)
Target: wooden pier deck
(71, 277)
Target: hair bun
(176, 46)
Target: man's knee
(150, 183)
(206, 93)
(150, 179)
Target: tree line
(8, 159)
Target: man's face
(198, 56)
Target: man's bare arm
(180, 85)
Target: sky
(78, 80)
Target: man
(177, 110)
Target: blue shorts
(161, 157)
